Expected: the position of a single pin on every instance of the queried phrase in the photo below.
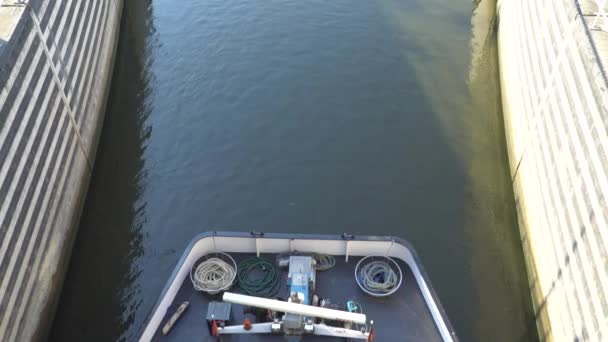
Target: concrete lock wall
(556, 117)
(56, 61)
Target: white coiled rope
(378, 278)
(213, 275)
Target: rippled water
(367, 117)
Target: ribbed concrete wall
(554, 97)
(53, 85)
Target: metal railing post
(600, 15)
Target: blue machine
(301, 277)
(301, 282)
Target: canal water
(367, 117)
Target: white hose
(213, 276)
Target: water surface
(367, 117)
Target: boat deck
(403, 314)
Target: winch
(301, 283)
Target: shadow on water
(317, 126)
(97, 302)
(312, 120)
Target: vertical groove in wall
(43, 172)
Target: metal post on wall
(600, 15)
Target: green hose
(265, 286)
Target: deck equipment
(297, 287)
(298, 316)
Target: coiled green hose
(265, 286)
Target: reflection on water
(439, 32)
(100, 295)
(496, 259)
(307, 116)
(494, 301)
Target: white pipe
(319, 330)
(326, 330)
(258, 328)
(298, 309)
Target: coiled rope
(213, 275)
(324, 261)
(258, 277)
(378, 278)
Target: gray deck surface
(403, 316)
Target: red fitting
(214, 329)
(247, 324)
(371, 335)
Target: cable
(354, 306)
(378, 278)
(324, 261)
(213, 276)
(265, 286)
